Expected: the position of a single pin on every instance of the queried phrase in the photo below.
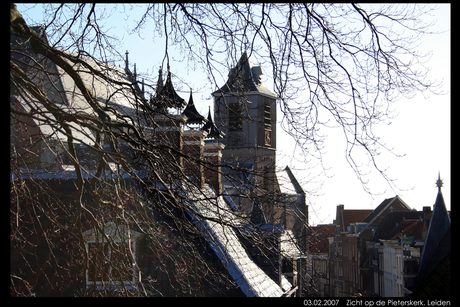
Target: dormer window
(112, 262)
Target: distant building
(368, 232)
(400, 253)
(344, 258)
(320, 239)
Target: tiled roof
(353, 216)
(217, 221)
(409, 228)
(388, 227)
(395, 202)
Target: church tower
(245, 111)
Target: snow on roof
(217, 221)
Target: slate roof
(245, 77)
(190, 111)
(63, 90)
(439, 225)
(211, 128)
(167, 97)
(257, 215)
(435, 279)
(237, 174)
(350, 216)
(395, 202)
(222, 238)
(388, 227)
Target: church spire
(193, 117)
(166, 97)
(159, 81)
(126, 60)
(439, 183)
(135, 73)
(211, 129)
(439, 225)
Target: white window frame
(117, 234)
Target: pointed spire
(243, 78)
(210, 127)
(126, 60)
(166, 97)
(143, 89)
(193, 117)
(439, 183)
(160, 81)
(439, 225)
(135, 73)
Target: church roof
(223, 239)
(193, 117)
(211, 128)
(62, 89)
(245, 77)
(167, 97)
(21, 50)
(435, 279)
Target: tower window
(267, 116)
(235, 122)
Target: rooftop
(245, 77)
(221, 236)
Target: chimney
(168, 131)
(426, 212)
(193, 147)
(212, 171)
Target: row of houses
(242, 220)
(392, 251)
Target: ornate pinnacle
(439, 182)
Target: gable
(387, 206)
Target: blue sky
(421, 130)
